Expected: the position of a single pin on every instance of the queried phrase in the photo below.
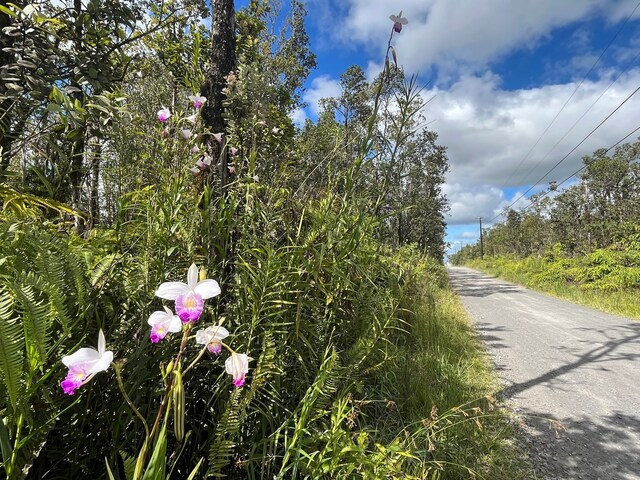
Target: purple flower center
(215, 346)
(75, 378)
(189, 307)
(397, 27)
(197, 104)
(239, 380)
(158, 332)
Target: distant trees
(594, 213)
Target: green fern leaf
(11, 348)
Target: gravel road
(566, 362)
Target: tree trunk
(78, 146)
(94, 195)
(223, 61)
(6, 58)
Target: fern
(11, 349)
(35, 320)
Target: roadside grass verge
(443, 382)
(560, 279)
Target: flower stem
(128, 400)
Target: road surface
(567, 362)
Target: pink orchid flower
(84, 364)
(237, 365)
(197, 100)
(212, 337)
(163, 114)
(398, 22)
(190, 296)
(218, 137)
(163, 323)
(233, 151)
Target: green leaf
(11, 348)
(157, 465)
(5, 444)
(109, 472)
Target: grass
(532, 273)
(444, 381)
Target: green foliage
(42, 281)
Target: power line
(571, 96)
(572, 150)
(627, 67)
(579, 170)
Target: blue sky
(499, 72)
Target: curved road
(567, 362)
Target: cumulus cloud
(465, 34)
(490, 131)
(321, 87)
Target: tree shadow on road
(604, 448)
(615, 339)
(489, 334)
(468, 285)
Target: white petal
(171, 290)
(207, 160)
(203, 337)
(237, 364)
(103, 363)
(228, 364)
(219, 332)
(192, 276)
(84, 355)
(159, 317)
(194, 170)
(102, 343)
(207, 289)
(403, 21)
(175, 324)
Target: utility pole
(481, 241)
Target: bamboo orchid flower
(238, 366)
(218, 137)
(202, 164)
(84, 364)
(190, 296)
(197, 100)
(212, 337)
(233, 151)
(163, 114)
(398, 22)
(186, 134)
(163, 323)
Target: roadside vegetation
(582, 243)
(191, 286)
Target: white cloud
(457, 35)
(321, 87)
(489, 131)
(298, 117)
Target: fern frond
(35, 320)
(11, 348)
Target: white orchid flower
(237, 365)
(163, 114)
(398, 22)
(163, 323)
(212, 337)
(197, 100)
(84, 364)
(190, 296)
